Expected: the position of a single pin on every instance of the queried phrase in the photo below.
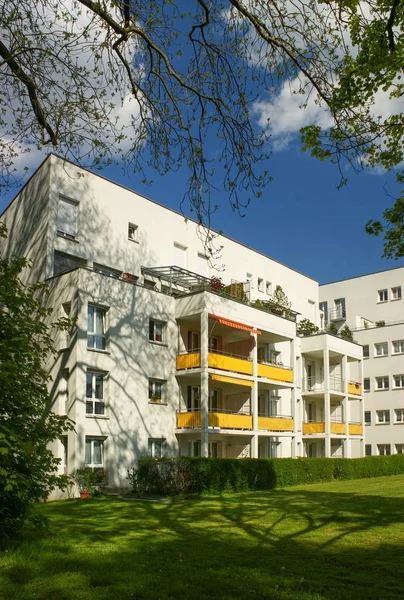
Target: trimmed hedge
(191, 475)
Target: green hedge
(191, 475)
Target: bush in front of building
(196, 475)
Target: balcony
(275, 423)
(355, 429)
(190, 360)
(338, 314)
(221, 419)
(337, 428)
(312, 384)
(313, 428)
(276, 372)
(216, 360)
(354, 388)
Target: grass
(326, 541)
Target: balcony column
(345, 403)
(362, 408)
(204, 383)
(326, 367)
(254, 398)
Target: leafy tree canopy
(171, 84)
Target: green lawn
(338, 540)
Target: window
(108, 271)
(64, 392)
(396, 293)
(94, 457)
(365, 351)
(368, 417)
(382, 383)
(399, 448)
(66, 222)
(398, 381)
(368, 450)
(194, 448)
(193, 341)
(65, 453)
(249, 280)
(156, 447)
(366, 384)
(66, 262)
(156, 391)
(382, 296)
(96, 337)
(339, 312)
(381, 349)
(132, 232)
(383, 416)
(398, 347)
(268, 288)
(399, 415)
(95, 390)
(384, 449)
(180, 255)
(213, 344)
(323, 306)
(260, 284)
(156, 331)
(193, 399)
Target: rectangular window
(66, 262)
(366, 384)
(268, 288)
(96, 329)
(94, 457)
(249, 280)
(384, 449)
(66, 222)
(339, 312)
(213, 344)
(368, 418)
(398, 381)
(156, 331)
(156, 391)
(382, 296)
(398, 347)
(365, 351)
(260, 284)
(194, 448)
(381, 349)
(382, 383)
(108, 271)
(193, 341)
(65, 454)
(368, 450)
(323, 306)
(383, 416)
(399, 448)
(156, 447)
(396, 293)
(95, 393)
(399, 415)
(132, 232)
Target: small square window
(382, 383)
(155, 447)
(260, 284)
(366, 351)
(382, 296)
(366, 384)
(383, 416)
(396, 293)
(368, 418)
(133, 232)
(156, 331)
(156, 391)
(381, 349)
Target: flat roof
(360, 276)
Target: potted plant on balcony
(279, 303)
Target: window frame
(401, 351)
(93, 399)
(157, 396)
(368, 417)
(383, 416)
(399, 416)
(392, 292)
(368, 449)
(60, 232)
(135, 237)
(260, 284)
(152, 331)
(365, 387)
(93, 333)
(364, 355)
(384, 346)
(401, 381)
(383, 387)
(152, 443)
(93, 465)
(384, 449)
(382, 296)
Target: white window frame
(157, 329)
(382, 296)
(133, 232)
(156, 447)
(382, 380)
(381, 349)
(399, 415)
(96, 402)
(95, 338)
(268, 288)
(396, 293)
(94, 441)
(383, 417)
(260, 284)
(72, 234)
(157, 390)
(398, 382)
(384, 449)
(400, 345)
(193, 341)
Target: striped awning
(235, 324)
(234, 380)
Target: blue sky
(301, 219)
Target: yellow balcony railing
(354, 389)
(309, 428)
(189, 361)
(355, 429)
(276, 373)
(189, 419)
(275, 424)
(229, 363)
(338, 428)
(228, 421)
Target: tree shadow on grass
(297, 544)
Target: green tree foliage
(306, 327)
(27, 425)
(346, 334)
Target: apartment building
(167, 355)
(372, 306)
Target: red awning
(235, 324)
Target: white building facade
(165, 359)
(373, 307)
